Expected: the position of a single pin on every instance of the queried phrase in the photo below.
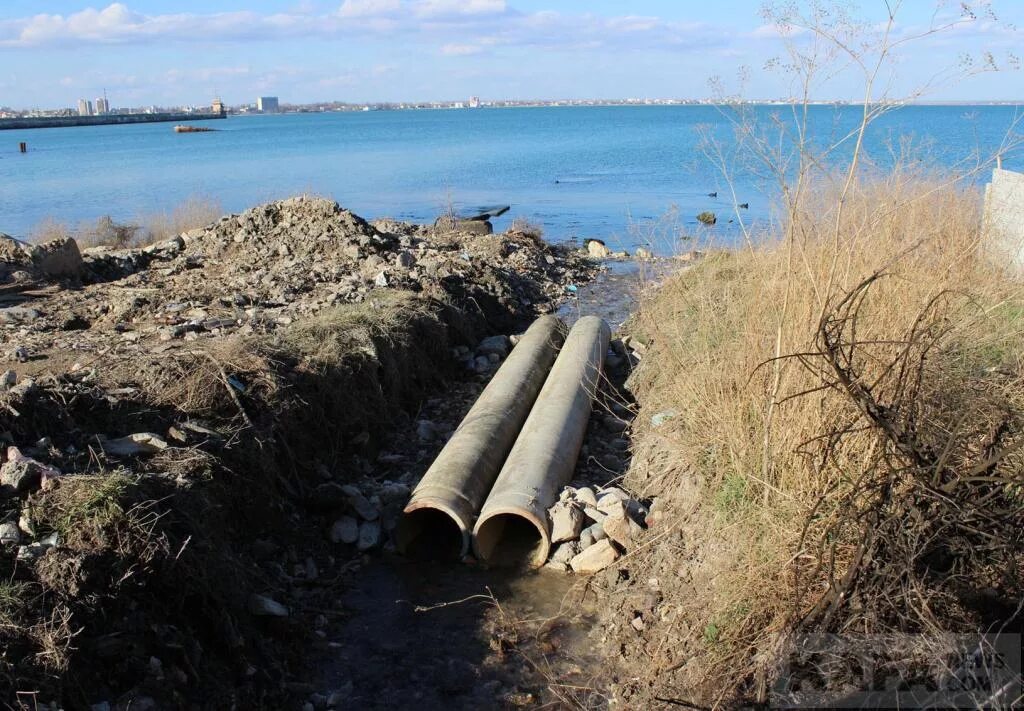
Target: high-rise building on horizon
(267, 105)
(84, 107)
(102, 106)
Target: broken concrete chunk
(595, 559)
(585, 495)
(566, 522)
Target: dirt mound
(191, 433)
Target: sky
(144, 52)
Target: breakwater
(104, 120)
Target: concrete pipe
(513, 528)
(438, 519)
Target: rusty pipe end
(430, 529)
(512, 536)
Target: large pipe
(438, 519)
(513, 528)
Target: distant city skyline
(373, 51)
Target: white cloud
(369, 8)
(455, 8)
(461, 50)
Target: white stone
(566, 522)
(596, 558)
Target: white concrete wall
(1004, 216)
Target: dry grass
(146, 229)
(879, 489)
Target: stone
(595, 558)
(621, 527)
(597, 249)
(18, 314)
(566, 522)
(263, 606)
(482, 364)
(660, 418)
(610, 502)
(586, 539)
(381, 280)
(405, 259)
(345, 530)
(57, 258)
(499, 345)
(585, 495)
(10, 534)
(369, 535)
(135, 444)
(594, 514)
(425, 430)
(22, 475)
(359, 503)
(564, 552)
(8, 379)
(596, 531)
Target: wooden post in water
(23, 147)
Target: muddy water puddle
(432, 636)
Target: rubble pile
(592, 526)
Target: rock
(566, 522)
(9, 533)
(405, 259)
(642, 253)
(359, 503)
(586, 539)
(381, 280)
(482, 364)
(426, 430)
(8, 379)
(597, 249)
(585, 495)
(369, 535)
(32, 552)
(345, 530)
(20, 354)
(57, 258)
(498, 345)
(21, 475)
(662, 417)
(135, 444)
(595, 559)
(621, 527)
(565, 552)
(610, 501)
(18, 315)
(263, 606)
(594, 514)
(596, 531)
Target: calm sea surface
(608, 172)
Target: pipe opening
(430, 534)
(510, 540)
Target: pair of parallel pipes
(512, 453)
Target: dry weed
(879, 488)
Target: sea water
(625, 174)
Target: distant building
(218, 106)
(474, 102)
(102, 106)
(84, 107)
(267, 105)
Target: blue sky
(147, 52)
